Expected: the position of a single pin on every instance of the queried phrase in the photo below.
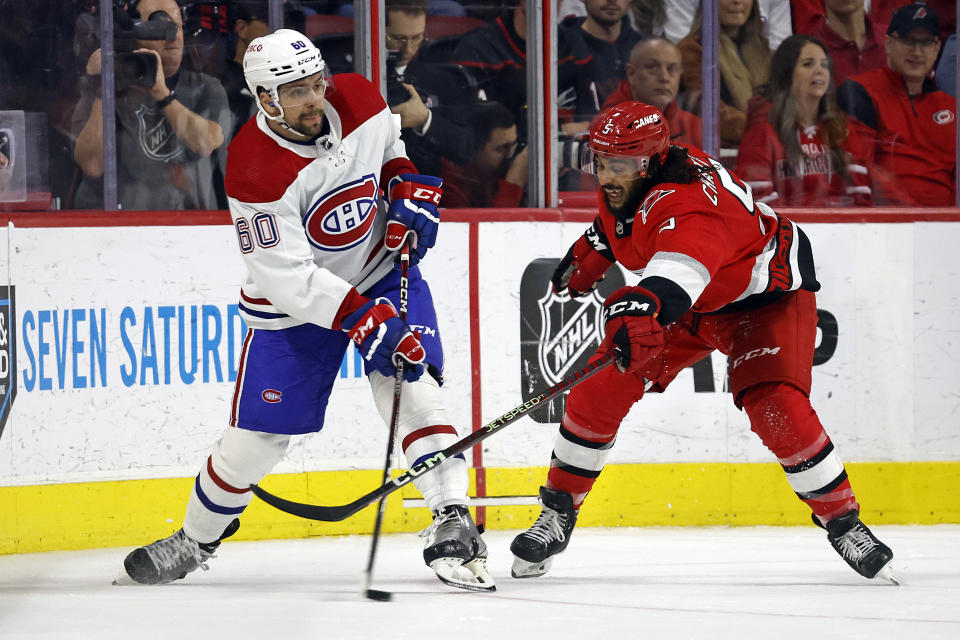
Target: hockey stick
(335, 514)
(376, 594)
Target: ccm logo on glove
(413, 215)
(632, 331)
(382, 337)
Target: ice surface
(717, 583)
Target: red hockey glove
(630, 325)
(413, 211)
(381, 337)
(582, 268)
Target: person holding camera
(170, 122)
(429, 130)
(496, 173)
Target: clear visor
(311, 90)
(609, 165)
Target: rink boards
(121, 343)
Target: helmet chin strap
(281, 118)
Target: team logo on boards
(344, 217)
(558, 334)
(8, 350)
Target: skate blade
(523, 569)
(123, 579)
(472, 576)
(887, 574)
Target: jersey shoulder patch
(356, 100)
(258, 169)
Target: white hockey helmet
(278, 58)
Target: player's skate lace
(855, 544)
(548, 527)
(859, 547)
(175, 551)
(172, 558)
(452, 534)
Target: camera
(396, 92)
(137, 69)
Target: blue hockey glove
(381, 337)
(414, 213)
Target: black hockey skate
(455, 550)
(859, 547)
(172, 558)
(550, 534)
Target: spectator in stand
(774, 14)
(496, 174)
(168, 134)
(653, 77)
(806, 13)
(744, 61)
(429, 130)
(947, 67)
(853, 40)
(607, 34)
(912, 124)
(649, 17)
(796, 151)
(496, 54)
(248, 20)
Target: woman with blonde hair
(797, 150)
(744, 61)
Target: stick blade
(308, 511)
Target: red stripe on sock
(427, 431)
(217, 480)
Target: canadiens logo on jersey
(343, 218)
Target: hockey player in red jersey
(718, 271)
(303, 181)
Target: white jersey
(308, 216)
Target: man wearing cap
(912, 123)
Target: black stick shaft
(394, 417)
(335, 514)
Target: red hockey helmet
(628, 129)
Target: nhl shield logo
(8, 350)
(569, 329)
(558, 334)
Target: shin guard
(221, 491)
(423, 429)
(783, 418)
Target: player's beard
(628, 208)
(309, 130)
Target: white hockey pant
(222, 492)
(422, 430)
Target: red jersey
(707, 245)
(848, 58)
(912, 161)
(815, 181)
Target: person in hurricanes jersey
(718, 271)
(303, 181)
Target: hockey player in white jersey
(303, 181)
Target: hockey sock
(783, 418)
(423, 429)
(576, 461)
(221, 491)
